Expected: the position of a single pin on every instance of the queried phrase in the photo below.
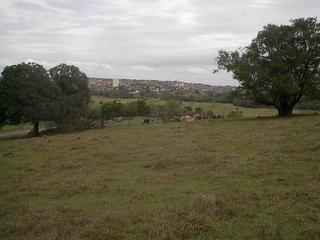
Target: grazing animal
(146, 121)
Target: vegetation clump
(280, 67)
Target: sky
(142, 39)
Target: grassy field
(220, 108)
(224, 179)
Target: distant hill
(134, 86)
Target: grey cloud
(159, 39)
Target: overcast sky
(150, 39)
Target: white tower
(115, 83)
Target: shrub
(187, 109)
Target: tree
(26, 95)
(3, 104)
(111, 110)
(142, 108)
(280, 66)
(130, 110)
(74, 99)
(173, 108)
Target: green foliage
(26, 94)
(250, 179)
(142, 108)
(3, 104)
(74, 98)
(196, 97)
(130, 110)
(280, 66)
(158, 110)
(94, 113)
(111, 110)
(173, 108)
(114, 109)
(198, 109)
(187, 109)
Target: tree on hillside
(173, 108)
(280, 66)
(111, 110)
(74, 99)
(142, 108)
(3, 105)
(26, 95)
(130, 110)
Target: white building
(115, 83)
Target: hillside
(226, 179)
(135, 86)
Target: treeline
(116, 109)
(235, 97)
(123, 93)
(30, 93)
(240, 98)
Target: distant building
(115, 83)
(180, 84)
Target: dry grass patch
(56, 222)
(193, 219)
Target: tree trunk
(36, 128)
(285, 110)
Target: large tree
(26, 95)
(74, 99)
(280, 66)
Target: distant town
(102, 86)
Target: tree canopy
(111, 110)
(280, 66)
(74, 98)
(26, 94)
(29, 94)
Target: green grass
(97, 100)
(224, 179)
(220, 108)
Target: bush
(187, 109)
(94, 113)
(111, 110)
(198, 110)
(130, 110)
(173, 108)
(142, 108)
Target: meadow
(220, 108)
(253, 178)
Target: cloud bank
(159, 39)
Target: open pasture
(224, 179)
